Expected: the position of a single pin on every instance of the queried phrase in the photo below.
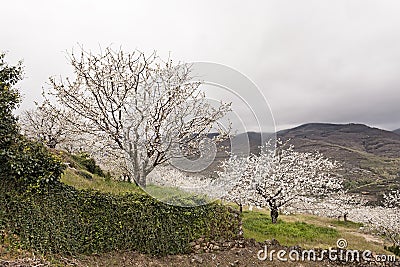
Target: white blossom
(392, 199)
(148, 109)
(276, 178)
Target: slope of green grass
(170, 195)
(176, 196)
(74, 178)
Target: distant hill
(370, 156)
(351, 136)
(397, 131)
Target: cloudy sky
(314, 61)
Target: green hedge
(64, 220)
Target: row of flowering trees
(294, 182)
(383, 220)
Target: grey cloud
(322, 60)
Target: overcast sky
(314, 61)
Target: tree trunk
(274, 214)
(240, 208)
(142, 180)
(139, 178)
(345, 217)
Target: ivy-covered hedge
(64, 220)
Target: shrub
(30, 163)
(25, 162)
(88, 163)
(9, 99)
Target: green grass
(258, 225)
(314, 231)
(79, 177)
(176, 196)
(73, 178)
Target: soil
(237, 255)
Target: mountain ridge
(370, 157)
(353, 135)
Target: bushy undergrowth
(61, 219)
(29, 163)
(394, 249)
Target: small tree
(9, 99)
(149, 109)
(280, 177)
(237, 172)
(46, 124)
(392, 199)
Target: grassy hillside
(370, 156)
(87, 213)
(79, 180)
(295, 230)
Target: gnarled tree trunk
(274, 211)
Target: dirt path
(235, 257)
(242, 253)
(369, 238)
